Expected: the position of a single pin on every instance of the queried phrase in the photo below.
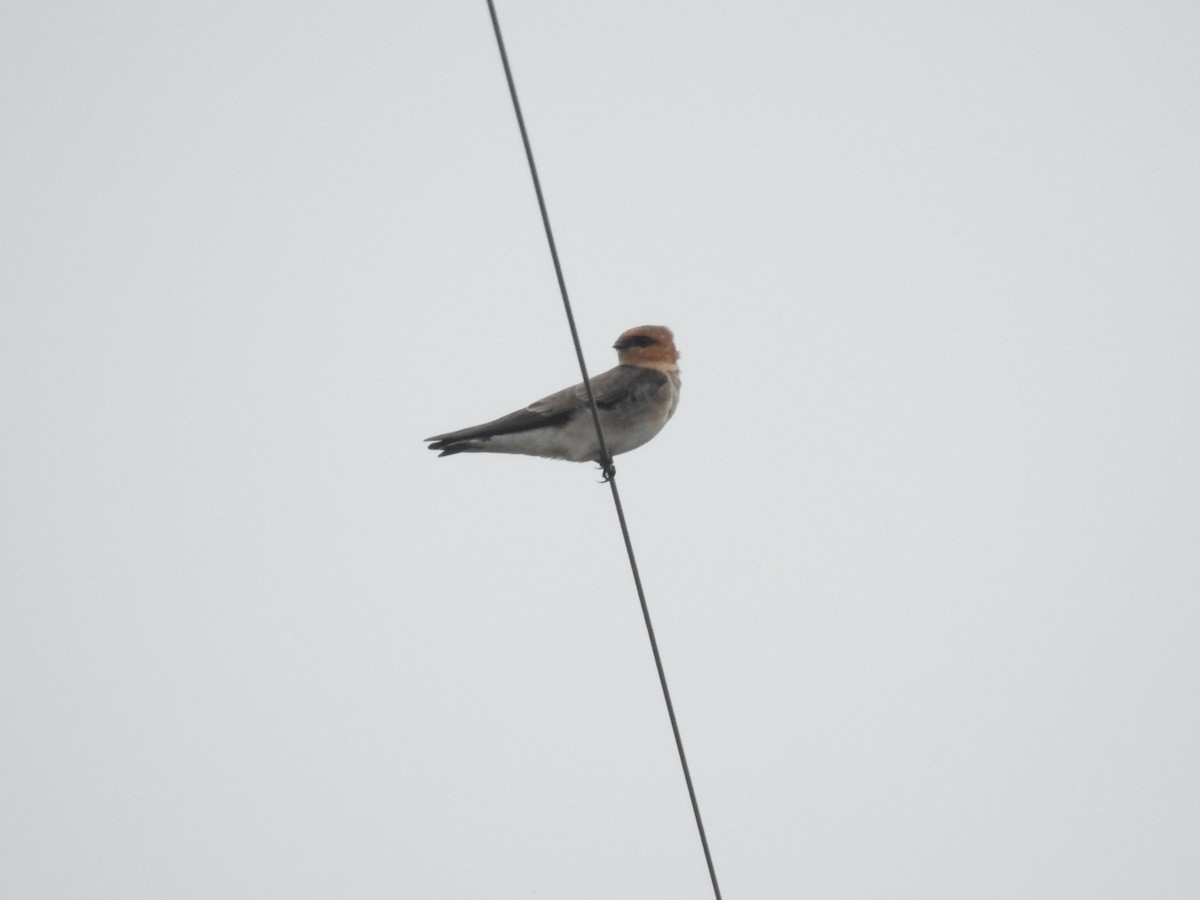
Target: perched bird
(635, 400)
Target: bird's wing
(617, 387)
(625, 386)
(522, 420)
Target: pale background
(922, 543)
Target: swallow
(635, 399)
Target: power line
(606, 462)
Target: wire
(606, 462)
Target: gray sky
(920, 543)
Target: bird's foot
(609, 470)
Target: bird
(635, 399)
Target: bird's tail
(449, 447)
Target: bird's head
(649, 346)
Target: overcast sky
(922, 542)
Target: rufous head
(649, 346)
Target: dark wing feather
(522, 420)
(617, 387)
(625, 385)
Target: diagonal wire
(605, 459)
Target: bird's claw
(609, 470)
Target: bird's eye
(643, 341)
